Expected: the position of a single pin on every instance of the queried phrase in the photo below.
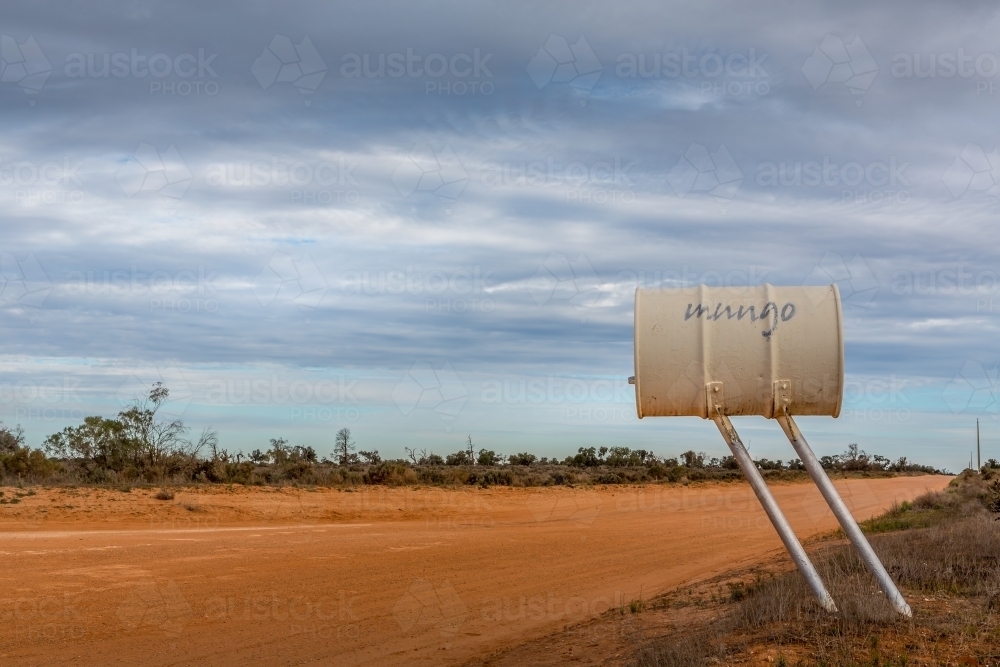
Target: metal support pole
(774, 513)
(843, 515)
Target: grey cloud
(343, 226)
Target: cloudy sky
(428, 222)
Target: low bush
(389, 473)
(488, 478)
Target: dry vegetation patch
(943, 550)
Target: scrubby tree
(487, 457)
(623, 456)
(587, 457)
(279, 451)
(300, 453)
(371, 458)
(459, 458)
(97, 443)
(431, 459)
(767, 464)
(693, 459)
(11, 440)
(137, 439)
(522, 459)
(153, 438)
(855, 458)
(16, 458)
(343, 447)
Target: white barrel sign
(761, 350)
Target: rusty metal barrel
(761, 350)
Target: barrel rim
(840, 334)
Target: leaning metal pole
(843, 515)
(774, 513)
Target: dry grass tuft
(164, 495)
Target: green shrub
(522, 459)
(16, 459)
(487, 457)
(460, 458)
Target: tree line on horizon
(138, 446)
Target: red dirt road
(380, 576)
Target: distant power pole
(979, 457)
